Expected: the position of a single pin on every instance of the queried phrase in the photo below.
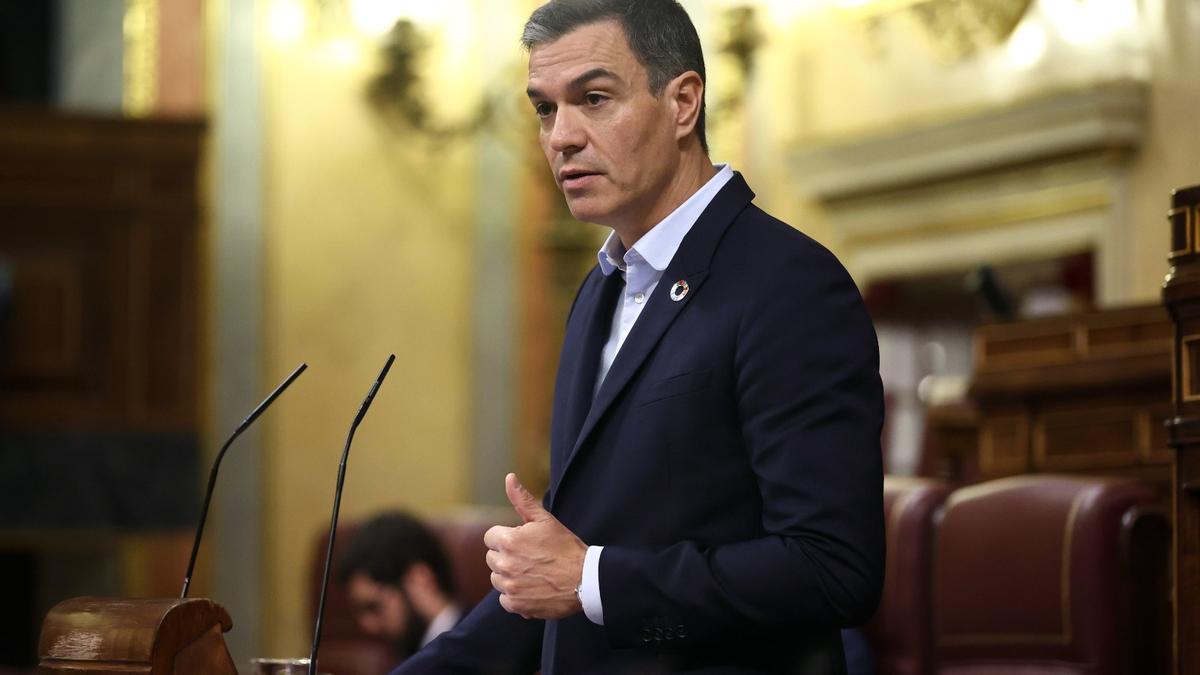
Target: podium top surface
(127, 630)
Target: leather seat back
(1028, 576)
(901, 631)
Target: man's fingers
(496, 537)
(527, 506)
(511, 607)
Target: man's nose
(569, 133)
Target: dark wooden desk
(1086, 393)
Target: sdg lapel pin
(679, 290)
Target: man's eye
(595, 99)
(543, 109)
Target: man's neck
(433, 606)
(695, 170)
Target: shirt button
(639, 298)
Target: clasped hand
(538, 565)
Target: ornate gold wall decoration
(955, 29)
(958, 29)
(395, 91)
(141, 30)
(741, 44)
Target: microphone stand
(212, 475)
(337, 502)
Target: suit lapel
(690, 264)
(596, 311)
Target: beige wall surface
(1170, 157)
(368, 239)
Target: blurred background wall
(368, 183)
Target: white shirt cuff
(589, 590)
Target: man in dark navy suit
(715, 503)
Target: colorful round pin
(679, 290)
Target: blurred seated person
(398, 582)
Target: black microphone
(212, 475)
(337, 502)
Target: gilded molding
(140, 77)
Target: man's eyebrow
(579, 82)
(593, 74)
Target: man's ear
(686, 93)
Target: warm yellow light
(1114, 15)
(424, 12)
(1027, 44)
(872, 6)
(786, 11)
(286, 20)
(342, 51)
(376, 17)
(1083, 22)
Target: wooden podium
(156, 636)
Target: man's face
(380, 609)
(610, 143)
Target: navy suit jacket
(729, 464)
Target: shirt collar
(444, 621)
(658, 246)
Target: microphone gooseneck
(337, 502)
(212, 474)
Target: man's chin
(587, 212)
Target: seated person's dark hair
(390, 543)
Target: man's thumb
(529, 508)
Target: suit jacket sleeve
(488, 641)
(810, 405)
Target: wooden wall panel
(98, 223)
(45, 342)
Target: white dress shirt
(642, 267)
(444, 621)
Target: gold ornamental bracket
(958, 29)
(955, 29)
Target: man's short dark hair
(660, 34)
(386, 546)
